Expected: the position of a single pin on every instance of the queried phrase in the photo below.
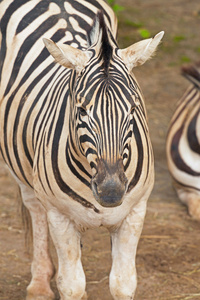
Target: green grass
(178, 38)
(116, 7)
(144, 33)
(185, 59)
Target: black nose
(110, 184)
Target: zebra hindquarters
(183, 144)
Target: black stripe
(187, 102)
(142, 121)
(185, 185)
(61, 88)
(129, 158)
(90, 151)
(192, 133)
(78, 164)
(3, 26)
(85, 138)
(39, 96)
(70, 146)
(16, 124)
(175, 154)
(25, 48)
(96, 4)
(54, 159)
(35, 12)
(140, 151)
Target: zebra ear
(140, 52)
(66, 55)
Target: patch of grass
(144, 33)
(116, 7)
(185, 59)
(178, 38)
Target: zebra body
(74, 134)
(183, 144)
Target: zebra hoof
(39, 291)
(40, 296)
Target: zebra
(183, 143)
(74, 134)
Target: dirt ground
(168, 256)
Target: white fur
(41, 268)
(123, 277)
(140, 52)
(73, 58)
(67, 56)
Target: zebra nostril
(109, 184)
(108, 193)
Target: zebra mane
(192, 73)
(99, 29)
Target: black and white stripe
(35, 99)
(183, 142)
(74, 133)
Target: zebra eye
(136, 104)
(133, 109)
(82, 111)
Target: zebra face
(104, 127)
(104, 96)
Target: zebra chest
(88, 214)
(63, 181)
(58, 188)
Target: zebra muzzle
(109, 184)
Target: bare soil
(168, 256)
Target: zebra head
(105, 95)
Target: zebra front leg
(70, 277)
(123, 277)
(42, 268)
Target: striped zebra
(183, 143)
(74, 134)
